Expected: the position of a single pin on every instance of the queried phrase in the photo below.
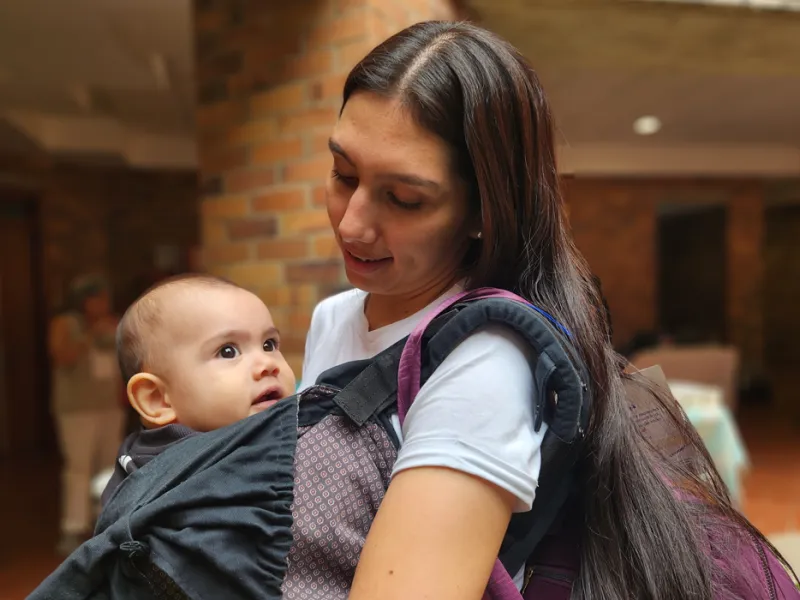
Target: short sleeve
(310, 347)
(475, 414)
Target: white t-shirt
(475, 412)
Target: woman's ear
(147, 394)
(475, 226)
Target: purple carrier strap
(501, 585)
(410, 366)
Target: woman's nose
(359, 222)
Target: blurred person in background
(85, 399)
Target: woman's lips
(364, 266)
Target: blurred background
(141, 139)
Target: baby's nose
(265, 366)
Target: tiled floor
(772, 497)
(29, 495)
(28, 520)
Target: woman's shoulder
(490, 348)
(493, 360)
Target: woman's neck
(383, 310)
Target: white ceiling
(600, 105)
(87, 77)
(761, 4)
(98, 77)
(724, 81)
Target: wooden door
(782, 288)
(692, 274)
(23, 369)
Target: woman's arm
(64, 350)
(436, 535)
(470, 456)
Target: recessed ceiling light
(647, 125)
(792, 5)
(160, 69)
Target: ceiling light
(793, 5)
(160, 70)
(647, 125)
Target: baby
(198, 353)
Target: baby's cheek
(290, 382)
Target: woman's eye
(402, 204)
(271, 345)
(228, 351)
(350, 182)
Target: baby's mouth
(270, 396)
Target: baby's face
(222, 358)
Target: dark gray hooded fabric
(207, 519)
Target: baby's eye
(228, 351)
(271, 345)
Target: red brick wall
(270, 77)
(149, 210)
(614, 224)
(269, 84)
(104, 219)
(745, 307)
(782, 291)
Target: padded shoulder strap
(557, 362)
(557, 368)
(409, 372)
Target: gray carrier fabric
(279, 505)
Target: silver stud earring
(479, 236)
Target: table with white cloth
(717, 428)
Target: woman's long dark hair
(481, 97)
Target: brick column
(269, 82)
(745, 276)
(614, 225)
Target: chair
(710, 365)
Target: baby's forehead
(196, 311)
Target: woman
(444, 178)
(85, 400)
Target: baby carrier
(279, 505)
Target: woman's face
(398, 210)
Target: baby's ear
(147, 393)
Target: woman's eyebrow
(413, 180)
(401, 177)
(337, 149)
